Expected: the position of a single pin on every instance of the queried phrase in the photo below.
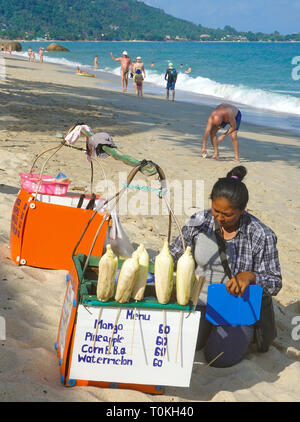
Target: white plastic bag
(115, 235)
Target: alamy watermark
(296, 329)
(296, 69)
(149, 197)
(2, 328)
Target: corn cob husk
(140, 284)
(108, 266)
(185, 276)
(127, 278)
(163, 273)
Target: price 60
(162, 329)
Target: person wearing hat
(138, 80)
(138, 74)
(125, 66)
(171, 78)
(138, 65)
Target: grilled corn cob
(127, 278)
(108, 265)
(185, 275)
(139, 287)
(163, 273)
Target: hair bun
(238, 172)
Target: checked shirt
(254, 247)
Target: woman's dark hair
(232, 188)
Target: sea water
(262, 79)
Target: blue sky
(244, 15)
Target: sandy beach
(40, 100)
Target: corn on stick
(163, 333)
(198, 285)
(113, 331)
(97, 326)
(206, 366)
(165, 340)
(143, 342)
(179, 334)
(131, 346)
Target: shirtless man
(125, 66)
(223, 115)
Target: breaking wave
(280, 102)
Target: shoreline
(168, 41)
(263, 117)
(274, 109)
(41, 100)
(207, 102)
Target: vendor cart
(142, 345)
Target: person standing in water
(125, 67)
(41, 54)
(95, 62)
(171, 78)
(138, 80)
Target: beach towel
(96, 142)
(74, 134)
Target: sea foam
(279, 102)
(253, 97)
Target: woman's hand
(237, 284)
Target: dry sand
(40, 100)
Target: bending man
(223, 115)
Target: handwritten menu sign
(139, 346)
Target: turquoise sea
(263, 79)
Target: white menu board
(148, 346)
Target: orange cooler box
(44, 232)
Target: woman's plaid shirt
(254, 247)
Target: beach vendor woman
(252, 257)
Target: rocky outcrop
(15, 46)
(56, 47)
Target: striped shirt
(254, 247)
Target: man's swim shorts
(238, 119)
(171, 86)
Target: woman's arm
(267, 266)
(264, 266)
